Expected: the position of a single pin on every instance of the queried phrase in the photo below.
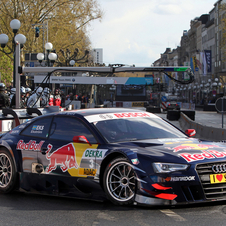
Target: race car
(127, 156)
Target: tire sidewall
(108, 170)
(13, 178)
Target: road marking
(172, 214)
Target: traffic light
(36, 32)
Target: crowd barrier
(202, 131)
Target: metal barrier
(202, 131)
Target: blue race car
(124, 155)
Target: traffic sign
(220, 104)
(164, 98)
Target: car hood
(186, 149)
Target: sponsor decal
(210, 154)
(193, 146)
(64, 157)
(94, 153)
(37, 129)
(21, 126)
(173, 140)
(188, 178)
(14, 131)
(87, 172)
(106, 116)
(102, 117)
(132, 115)
(217, 178)
(30, 146)
(135, 161)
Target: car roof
(94, 111)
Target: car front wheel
(7, 172)
(120, 182)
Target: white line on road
(172, 214)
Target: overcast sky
(138, 31)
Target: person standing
(12, 98)
(35, 98)
(45, 97)
(4, 99)
(57, 98)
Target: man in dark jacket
(4, 99)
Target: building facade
(97, 56)
(202, 48)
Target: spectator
(57, 98)
(27, 95)
(12, 98)
(45, 97)
(63, 98)
(35, 98)
(4, 99)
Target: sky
(139, 31)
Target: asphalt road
(21, 209)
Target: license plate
(217, 178)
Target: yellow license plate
(217, 178)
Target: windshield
(130, 129)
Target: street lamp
(51, 57)
(18, 38)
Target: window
(39, 128)
(65, 128)
(117, 130)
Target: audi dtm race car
(127, 156)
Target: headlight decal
(161, 195)
(160, 187)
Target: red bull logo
(30, 146)
(64, 157)
(210, 154)
(193, 146)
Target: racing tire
(120, 182)
(8, 176)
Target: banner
(204, 64)
(192, 65)
(195, 66)
(208, 60)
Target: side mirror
(190, 132)
(81, 139)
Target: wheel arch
(106, 161)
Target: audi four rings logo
(219, 168)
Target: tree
(66, 20)
(6, 69)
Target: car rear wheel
(7, 172)
(120, 182)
